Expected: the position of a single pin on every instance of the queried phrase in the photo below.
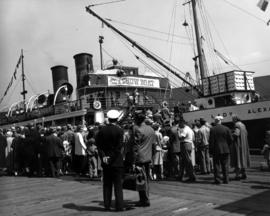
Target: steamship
(97, 92)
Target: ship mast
(24, 92)
(198, 40)
(145, 52)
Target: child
(92, 158)
(158, 156)
(266, 154)
(266, 149)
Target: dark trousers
(80, 162)
(175, 164)
(186, 163)
(221, 160)
(204, 159)
(112, 177)
(144, 195)
(54, 165)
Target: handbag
(129, 181)
(135, 180)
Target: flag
(262, 4)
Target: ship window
(226, 100)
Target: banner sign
(133, 81)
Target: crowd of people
(162, 145)
(178, 147)
(39, 151)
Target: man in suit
(55, 149)
(109, 142)
(3, 145)
(219, 141)
(143, 139)
(174, 148)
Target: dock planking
(80, 196)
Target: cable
(32, 88)
(13, 90)
(245, 11)
(104, 3)
(145, 28)
(107, 53)
(155, 38)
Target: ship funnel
(60, 78)
(84, 66)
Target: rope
(155, 38)
(145, 28)
(245, 11)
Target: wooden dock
(80, 196)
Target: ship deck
(80, 196)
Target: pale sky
(51, 32)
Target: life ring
(164, 104)
(97, 105)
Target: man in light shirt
(204, 148)
(186, 136)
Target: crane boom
(145, 52)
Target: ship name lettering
(144, 82)
(259, 109)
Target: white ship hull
(246, 112)
(256, 117)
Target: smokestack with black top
(60, 77)
(84, 66)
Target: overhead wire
(152, 69)
(145, 28)
(189, 33)
(168, 64)
(172, 23)
(155, 38)
(245, 11)
(13, 90)
(107, 53)
(220, 38)
(29, 83)
(144, 62)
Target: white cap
(218, 117)
(113, 114)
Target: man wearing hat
(109, 142)
(143, 139)
(219, 141)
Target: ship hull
(256, 117)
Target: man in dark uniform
(109, 141)
(219, 142)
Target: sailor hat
(113, 114)
(218, 117)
